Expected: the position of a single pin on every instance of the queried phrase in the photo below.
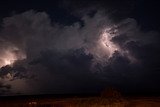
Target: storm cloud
(49, 56)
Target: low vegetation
(109, 98)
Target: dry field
(84, 102)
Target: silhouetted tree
(111, 93)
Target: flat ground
(83, 102)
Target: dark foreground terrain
(79, 102)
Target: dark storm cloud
(49, 47)
(4, 88)
(69, 58)
(70, 71)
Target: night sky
(79, 46)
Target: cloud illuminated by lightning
(107, 44)
(10, 55)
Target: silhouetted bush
(111, 93)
